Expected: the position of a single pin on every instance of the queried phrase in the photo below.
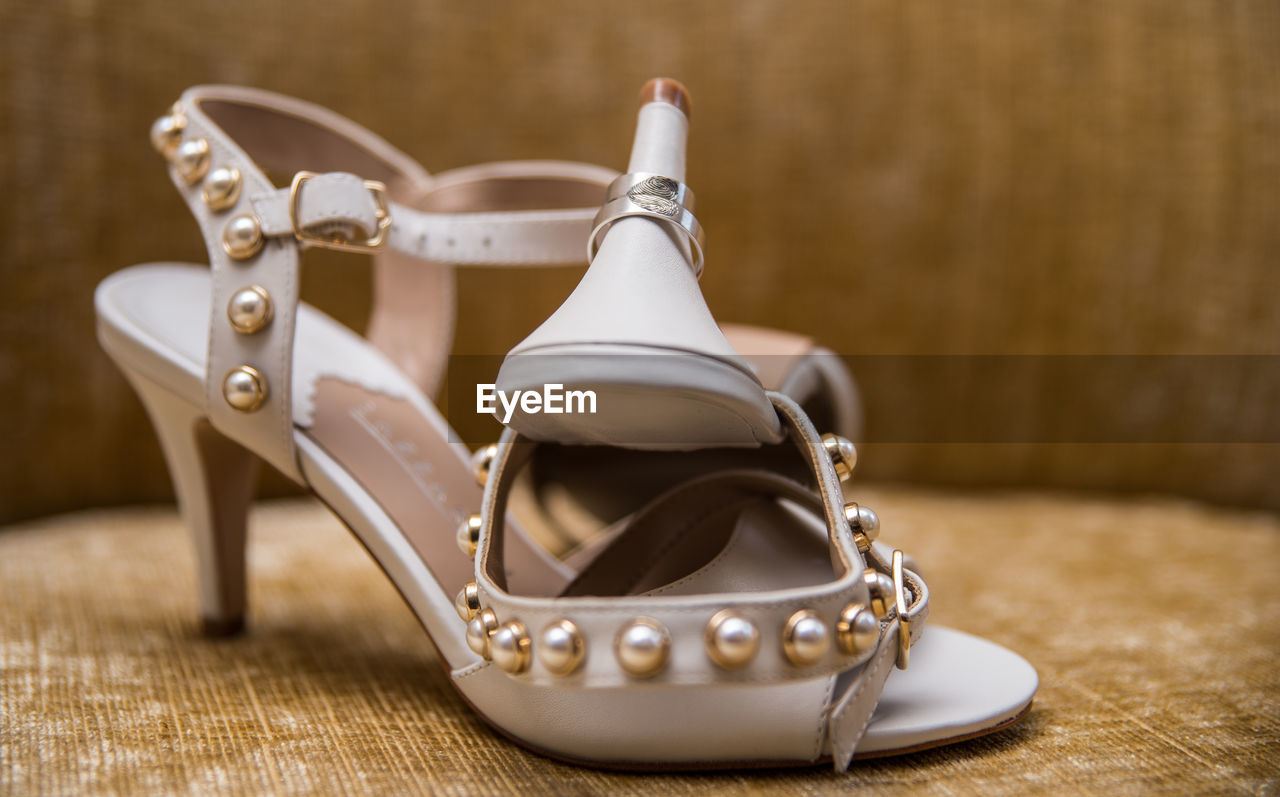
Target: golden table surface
(1154, 624)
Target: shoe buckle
(336, 241)
(904, 623)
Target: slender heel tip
(668, 90)
(222, 626)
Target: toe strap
(600, 633)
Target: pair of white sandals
(734, 610)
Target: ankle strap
(349, 189)
(338, 210)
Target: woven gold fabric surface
(1153, 624)
(1007, 177)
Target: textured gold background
(921, 178)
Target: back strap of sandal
(350, 190)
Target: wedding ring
(653, 196)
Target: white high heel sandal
(731, 620)
(232, 368)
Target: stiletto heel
(213, 478)
(636, 331)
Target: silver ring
(653, 196)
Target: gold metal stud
(479, 628)
(510, 647)
(882, 592)
(469, 535)
(864, 524)
(482, 461)
(250, 310)
(731, 640)
(805, 638)
(843, 455)
(221, 188)
(242, 237)
(857, 630)
(643, 647)
(468, 601)
(166, 132)
(561, 648)
(244, 388)
(191, 160)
